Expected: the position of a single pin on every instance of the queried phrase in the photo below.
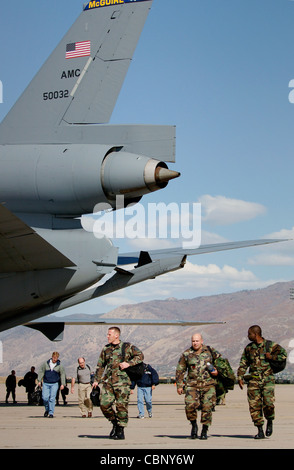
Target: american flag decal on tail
(78, 49)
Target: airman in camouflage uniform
(115, 381)
(261, 380)
(199, 385)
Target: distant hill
(270, 307)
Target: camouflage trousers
(115, 394)
(261, 399)
(203, 399)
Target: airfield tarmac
(24, 427)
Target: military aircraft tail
(80, 81)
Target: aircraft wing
(134, 257)
(149, 266)
(22, 249)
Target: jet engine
(70, 180)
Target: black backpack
(134, 372)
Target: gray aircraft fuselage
(59, 160)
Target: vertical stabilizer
(81, 80)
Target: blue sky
(219, 71)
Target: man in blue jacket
(145, 385)
(51, 372)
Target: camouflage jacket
(109, 360)
(254, 357)
(196, 366)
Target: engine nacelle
(70, 180)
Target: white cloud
(285, 234)
(274, 259)
(281, 254)
(116, 300)
(220, 210)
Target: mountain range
(270, 307)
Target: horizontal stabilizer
(158, 142)
(53, 327)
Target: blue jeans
(144, 393)
(49, 392)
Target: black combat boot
(119, 432)
(194, 430)
(204, 432)
(260, 434)
(113, 431)
(269, 428)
